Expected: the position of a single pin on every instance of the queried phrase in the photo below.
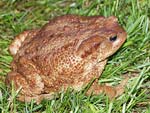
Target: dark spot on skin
(113, 38)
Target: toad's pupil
(113, 38)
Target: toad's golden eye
(113, 38)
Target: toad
(69, 51)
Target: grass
(133, 58)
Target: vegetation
(132, 60)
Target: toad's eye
(113, 38)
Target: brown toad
(69, 51)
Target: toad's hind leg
(17, 42)
(28, 78)
(30, 85)
(30, 89)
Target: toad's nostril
(113, 38)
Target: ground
(133, 58)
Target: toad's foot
(36, 98)
(110, 91)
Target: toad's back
(60, 32)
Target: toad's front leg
(95, 88)
(110, 91)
